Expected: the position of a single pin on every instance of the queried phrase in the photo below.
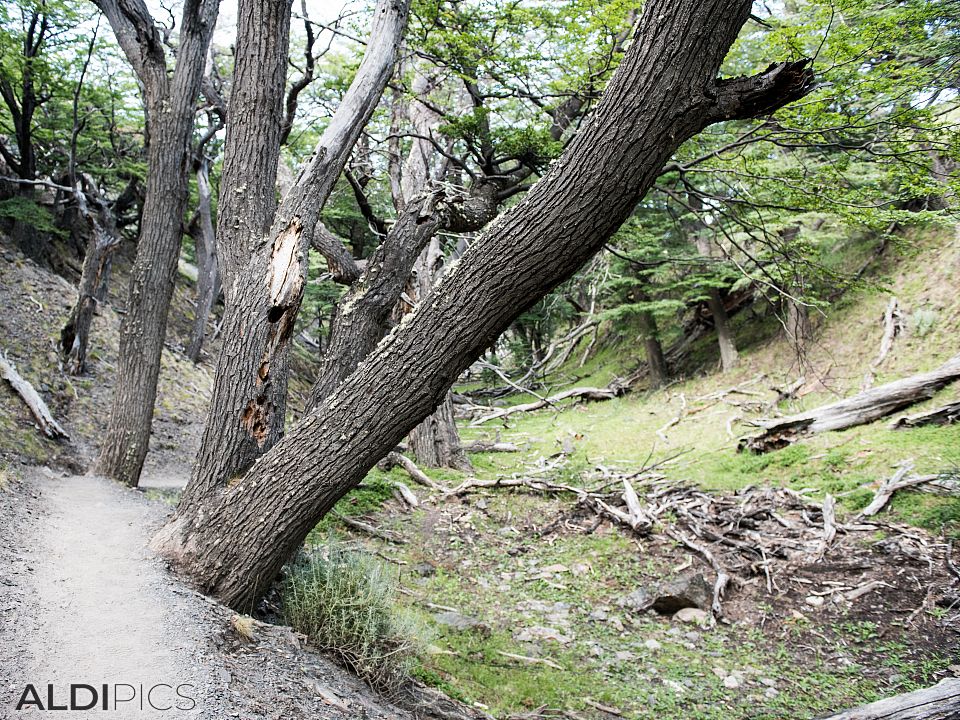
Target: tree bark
(940, 702)
(860, 409)
(248, 404)
(721, 322)
(104, 239)
(234, 539)
(208, 272)
(170, 105)
(658, 369)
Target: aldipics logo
(118, 696)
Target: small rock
(769, 682)
(687, 591)
(691, 615)
(731, 682)
(652, 644)
(624, 656)
(691, 636)
(895, 679)
(770, 693)
(458, 622)
(542, 633)
(814, 601)
(424, 569)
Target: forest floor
(534, 608)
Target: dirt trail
(84, 601)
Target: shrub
(343, 600)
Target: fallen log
(940, 702)
(48, 426)
(586, 393)
(944, 415)
(865, 407)
(485, 446)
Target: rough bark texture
(943, 415)
(208, 270)
(860, 409)
(104, 239)
(170, 104)
(234, 541)
(248, 404)
(940, 702)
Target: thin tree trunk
(729, 357)
(657, 367)
(247, 408)
(104, 239)
(234, 539)
(170, 104)
(207, 264)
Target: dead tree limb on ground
(899, 481)
(944, 415)
(587, 393)
(859, 409)
(50, 427)
(940, 702)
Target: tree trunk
(208, 274)
(170, 103)
(104, 239)
(940, 702)
(799, 330)
(248, 404)
(865, 407)
(234, 539)
(729, 357)
(436, 442)
(658, 369)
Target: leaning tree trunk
(208, 274)
(104, 239)
(247, 408)
(170, 105)
(235, 538)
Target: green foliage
(343, 600)
(26, 211)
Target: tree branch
(757, 95)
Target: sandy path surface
(83, 601)
(103, 610)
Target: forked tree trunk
(729, 357)
(233, 539)
(104, 239)
(170, 104)
(264, 278)
(208, 273)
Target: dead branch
(889, 487)
(940, 702)
(587, 393)
(50, 427)
(865, 407)
(829, 523)
(944, 415)
(683, 411)
(369, 529)
(485, 446)
(891, 326)
(413, 471)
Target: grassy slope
(490, 569)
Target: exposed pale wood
(50, 427)
(889, 487)
(531, 660)
(413, 471)
(407, 494)
(587, 393)
(940, 702)
(891, 326)
(865, 407)
(829, 523)
(661, 433)
(369, 529)
(483, 446)
(943, 415)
